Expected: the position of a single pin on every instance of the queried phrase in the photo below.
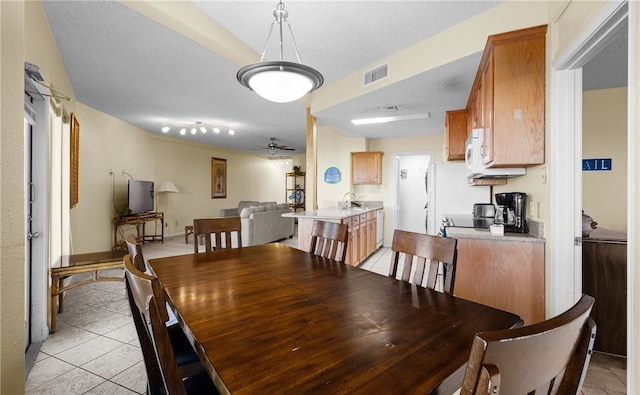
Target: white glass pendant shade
(280, 86)
(280, 82)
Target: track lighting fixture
(196, 127)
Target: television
(140, 197)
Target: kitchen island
(361, 222)
(505, 272)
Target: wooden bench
(81, 263)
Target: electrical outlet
(544, 175)
(534, 209)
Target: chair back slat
(329, 240)
(549, 357)
(135, 250)
(221, 229)
(149, 303)
(138, 307)
(427, 252)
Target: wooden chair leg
(61, 295)
(54, 311)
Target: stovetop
(468, 221)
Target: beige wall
(334, 150)
(11, 198)
(108, 144)
(604, 135)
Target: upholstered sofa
(262, 222)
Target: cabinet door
(478, 107)
(604, 276)
(457, 131)
(362, 242)
(366, 167)
(354, 241)
(487, 83)
(372, 234)
(506, 275)
(517, 138)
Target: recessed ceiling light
(395, 118)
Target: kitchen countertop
(478, 233)
(333, 213)
(603, 234)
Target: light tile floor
(96, 349)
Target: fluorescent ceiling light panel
(368, 121)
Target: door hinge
(577, 241)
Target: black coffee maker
(512, 211)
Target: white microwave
(473, 160)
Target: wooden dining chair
(135, 251)
(549, 357)
(329, 240)
(172, 365)
(220, 229)
(423, 248)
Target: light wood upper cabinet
(507, 100)
(513, 71)
(456, 133)
(487, 118)
(366, 167)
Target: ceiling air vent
(377, 74)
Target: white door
(410, 177)
(28, 216)
(36, 295)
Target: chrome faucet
(346, 200)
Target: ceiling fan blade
(284, 148)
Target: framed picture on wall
(74, 161)
(218, 178)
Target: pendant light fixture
(280, 81)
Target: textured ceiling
(132, 67)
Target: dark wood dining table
(272, 319)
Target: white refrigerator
(449, 192)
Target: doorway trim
(564, 216)
(566, 138)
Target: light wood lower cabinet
(362, 237)
(507, 275)
(362, 231)
(372, 229)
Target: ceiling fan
(273, 146)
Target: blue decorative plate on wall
(332, 175)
